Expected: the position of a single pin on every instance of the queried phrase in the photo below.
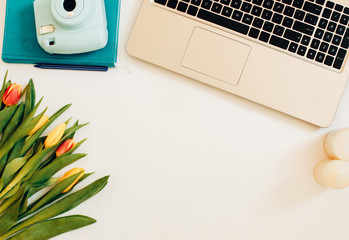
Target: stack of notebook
(20, 44)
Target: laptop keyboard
(315, 30)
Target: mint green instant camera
(71, 26)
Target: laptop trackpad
(217, 56)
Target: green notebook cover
(20, 44)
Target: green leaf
(6, 115)
(63, 205)
(10, 170)
(10, 217)
(51, 228)
(10, 201)
(13, 124)
(29, 98)
(15, 150)
(3, 89)
(55, 191)
(13, 191)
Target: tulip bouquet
(30, 195)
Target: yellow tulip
(71, 173)
(41, 123)
(56, 135)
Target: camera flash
(46, 29)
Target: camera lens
(69, 5)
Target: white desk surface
(187, 161)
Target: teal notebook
(20, 44)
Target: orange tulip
(65, 147)
(12, 95)
(71, 173)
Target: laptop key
(287, 1)
(227, 11)
(278, 30)
(182, 7)
(326, 13)
(247, 19)
(344, 19)
(320, 57)
(162, 2)
(289, 11)
(279, 42)
(333, 50)
(257, 22)
(293, 47)
(278, 7)
(305, 40)
(336, 40)
(338, 7)
(268, 4)
(277, 18)
(324, 47)
(225, 2)
(311, 54)
(257, 2)
(172, 3)
(315, 44)
(345, 42)
(222, 21)
(237, 15)
(321, 2)
(268, 26)
(256, 11)
(330, 4)
(206, 4)
(329, 60)
(319, 33)
(299, 14)
(323, 23)
(196, 2)
(267, 14)
(328, 37)
(246, 7)
(303, 28)
(311, 19)
(335, 16)
(236, 4)
(301, 50)
(264, 36)
(292, 35)
(254, 32)
(287, 22)
(192, 10)
(339, 58)
(311, 7)
(298, 3)
(217, 8)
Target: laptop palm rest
(216, 56)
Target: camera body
(70, 26)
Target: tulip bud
(65, 147)
(71, 173)
(41, 123)
(56, 135)
(12, 95)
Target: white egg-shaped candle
(332, 173)
(336, 144)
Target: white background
(187, 161)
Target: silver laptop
(289, 55)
